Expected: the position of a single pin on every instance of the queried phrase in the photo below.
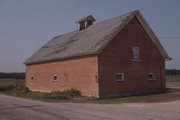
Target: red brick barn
(119, 56)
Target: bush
(23, 89)
(72, 92)
(67, 94)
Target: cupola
(83, 23)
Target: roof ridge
(132, 12)
(128, 13)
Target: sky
(26, 25)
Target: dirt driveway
(12, 108)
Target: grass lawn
(172, 81)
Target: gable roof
(89, 41)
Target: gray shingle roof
(85, 42)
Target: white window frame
(54, 76)
(31, 77)
(122, 76)
(153, 76)
(135, 53)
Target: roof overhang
(152, 36)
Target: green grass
(10, 81)
(24, 92)
(172, 78)
(53, 97)
(38, 95)
(152, 98)
(172, 81)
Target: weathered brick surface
(79, 73)
(117, 58)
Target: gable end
(152, 36)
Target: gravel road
(12, 108)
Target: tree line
(12, 75)
(172, 72)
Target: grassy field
(171, 81)
(7, 83)
(10, 81)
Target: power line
(175, 38)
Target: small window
(31, 78)
(136, 53)
(152, 76)
(55, 77)
(119, 76)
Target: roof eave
(62, 58)
(152, 36)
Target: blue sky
(25, 25)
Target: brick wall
(82, 72)
(117, 58)
(79, 73)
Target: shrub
(72, 92)
(24, 89)
(67, 94)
